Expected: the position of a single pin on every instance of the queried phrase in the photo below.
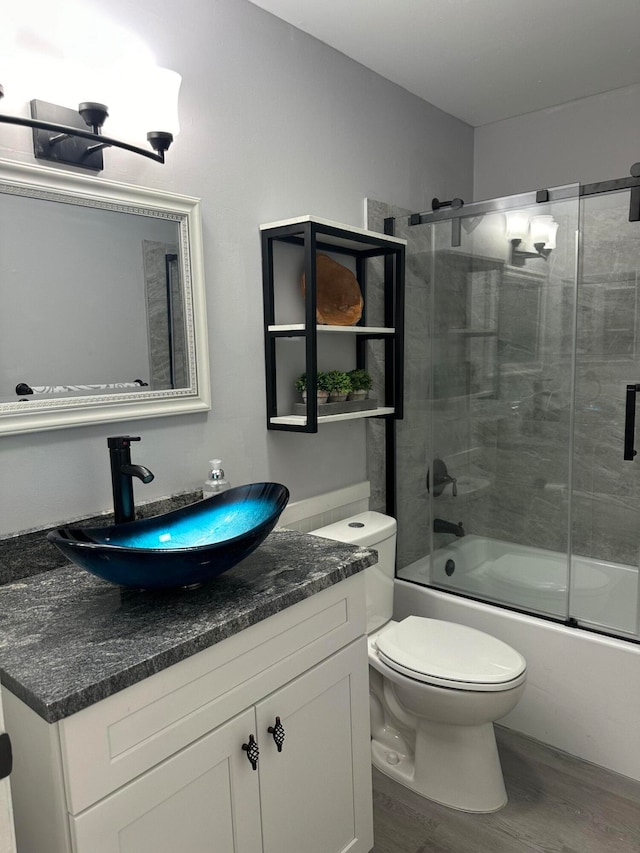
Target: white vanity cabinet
(203, 798)
(160, 766)
(307, 790)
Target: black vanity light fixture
(62, 135)
(530, 236)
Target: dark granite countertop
(69, 639)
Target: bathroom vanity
(233, 718)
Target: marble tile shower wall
(511, 448)
(606, 496)
(165, 317)
(521, 446)
(412, 433)
(522, 435)
(541, 458)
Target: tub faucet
(442, 526)
(122, 474)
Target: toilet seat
(449, 655)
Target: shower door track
(571, 622)
(496, 205)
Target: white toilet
(435, 687)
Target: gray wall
(274, 124)
(593, 139)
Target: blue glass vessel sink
(187, 546)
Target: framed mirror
(102, 301)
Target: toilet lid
(450, 655)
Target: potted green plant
(339, 386)
(360, 384)
(323, 383)
(322, 392)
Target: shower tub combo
(523, 330)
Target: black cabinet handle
(252, 751)
(630, 422)
(6, 755)
(278, 733)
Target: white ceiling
(482, 60)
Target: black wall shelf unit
(314, 235)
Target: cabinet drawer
(110, 743)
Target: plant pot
(337, 398)
(321, 397)
(358, 395)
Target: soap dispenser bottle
(216, 481)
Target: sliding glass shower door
(523, 332)
(606, 487)
(502, 363)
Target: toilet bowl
(443, 685)
(435, 688)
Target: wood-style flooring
(557, 804)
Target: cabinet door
(316, 793)
(7, 835)
(205, 799)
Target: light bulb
(543, 230)
(517, 224)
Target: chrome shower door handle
(630, 422)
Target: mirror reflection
(95, 292)
(99, 296)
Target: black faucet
(122, 474)
(442, 526)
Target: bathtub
(603, 595)
(583, 689)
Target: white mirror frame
(51, 184)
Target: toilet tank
(377, 531)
